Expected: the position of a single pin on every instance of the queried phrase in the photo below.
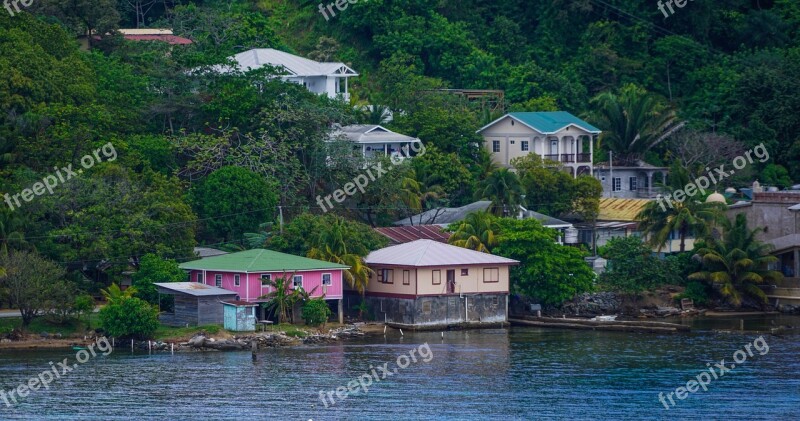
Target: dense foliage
(316, 312)
(633, 268)
(129, 317)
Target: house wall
(195, 311)
(506, 132)
(641, 175)
(239, 319)
(250, 287)
(473, 282)
(440, 311)
(397, 287)
(777, 220)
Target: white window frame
(218, 280)
(495, 146)
(294, 280)
(616, 184)
(633, 183)
(237, 280)
(266, 276)
(330, 279)
(200, 277)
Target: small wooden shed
(195, 304)
(240, 316)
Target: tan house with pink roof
(427, 284)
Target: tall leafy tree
(505, 191)
(478, 231)
(30, 280)
(331, 245)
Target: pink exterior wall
(250, 287)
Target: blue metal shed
(240, 316)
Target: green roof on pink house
(259, 260)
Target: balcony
(568, 158)
(584, 157)
(552, 157)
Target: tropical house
(140, 34)
(373, 140)
(246, 274)
(640, 181)
(428, 284)
(321, 78)
(558, 136)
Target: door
(554, 147)
(451, 281)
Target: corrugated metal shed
(422, 253)
(193, 288)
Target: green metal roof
(259, 260)
(550, 122)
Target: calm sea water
(521, 373)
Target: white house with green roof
(246, 273)
(557, 136)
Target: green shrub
(316, 312)
(129, 318)
(695, 291)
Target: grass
(290, 330)
(168, 332)
(41, 325)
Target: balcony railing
(552, 157)
(584, 157)
(568, 158)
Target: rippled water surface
(521, 373)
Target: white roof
(294, 65)
(194, 288)
(421, 253)
(145, 31)
(372, 133)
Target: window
(495, 146)
(297, 282)
(616, 184)
(265, 279)
(491, 275)
(406, 277)
(437, 277)
(513, 142)
(200, 277)
(218, 281)
(388, 276)
(326, 279)
(633, 181)
(237, 280)
(464, 272)
(524, 146)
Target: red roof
(407, 234)
(169, 39)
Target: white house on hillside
(557, 136)
(374, 140)
(320, 78)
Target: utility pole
(280, 218)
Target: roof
(145, 31)
(612, 209)
(371, 133)
(547, 221)
(785, 242)
(259, 260)
(445, 216)
(204, 252)
(195, 289)
(426, 253)
(240, 303)
(407, 234)
(169, 39)
(547, 122)
(294, 65)
(795, 207)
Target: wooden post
(253, 349)
(131, 345)
(341, 311)
(741, 324)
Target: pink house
(245, 272)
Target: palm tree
(633, 121)
(478, 231)
(330, 246)
(114, 294)
(737, 263)
(505, 191)
(282, 299)
(374, 114)
(660, 218)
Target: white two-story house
(321, 78)
(557, 136)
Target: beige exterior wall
(421, 280)
(505, 132)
